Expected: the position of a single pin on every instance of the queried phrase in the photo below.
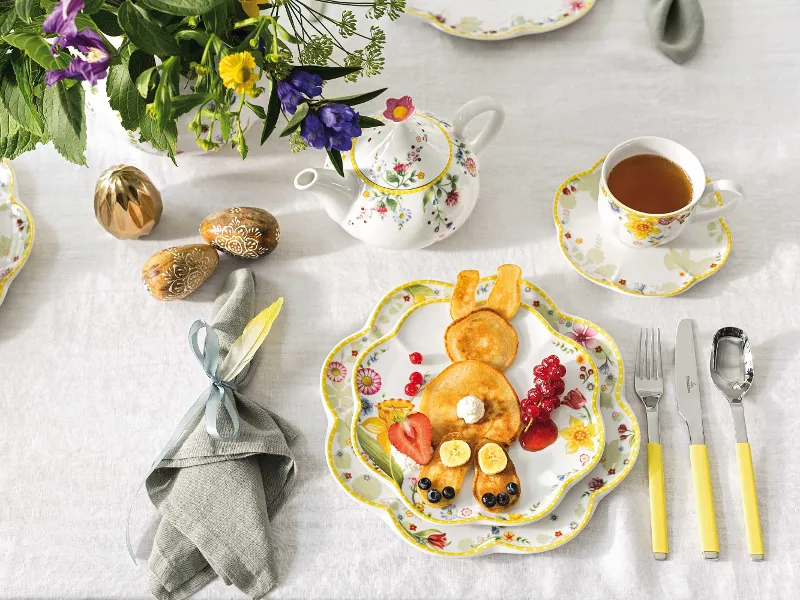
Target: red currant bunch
(548, 385)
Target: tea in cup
(651, 188)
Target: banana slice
(454, 453)
(492, 459)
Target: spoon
(732, 373)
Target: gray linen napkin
(216, 498)
(676, 27)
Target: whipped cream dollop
(470, 408)
(406, 463)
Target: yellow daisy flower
(250, 7)
(579, 435)
(238, 72)
(381, 431)
(642, 227)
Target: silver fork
(649, 385)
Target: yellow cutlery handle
(658, 499)
(755, 545)
(704, 498)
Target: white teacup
(642, 230)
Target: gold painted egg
(242, 231)
(175, 273)
(126, 203)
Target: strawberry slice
(412, 437)
(538, 435)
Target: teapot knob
(472, 109)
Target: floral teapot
(410, 182)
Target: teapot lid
(408, 154)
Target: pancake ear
(505, 298)
(463, 301)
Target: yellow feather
(248, 343)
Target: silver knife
(687, 391)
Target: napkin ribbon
(219, 393)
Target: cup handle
(723, 185)
(472, 109)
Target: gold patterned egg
(126, 203)
(242, 231)
(175, 273)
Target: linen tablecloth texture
(676, 26)
(216, 498)
(95, 363)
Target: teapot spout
(337, 193)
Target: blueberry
(424, 483)
(503, 499)
(488, 500)
(449, 493)
(512, 488)
(434, 496)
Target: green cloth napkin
(216, 498)
(676, 27)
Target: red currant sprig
(543, 397)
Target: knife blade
(687, 391)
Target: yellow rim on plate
(613, 284)
(601, 492)
(13, 273)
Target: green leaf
(420, 290)
(383, 459)
(167, 88)
(216, 19)
(186, 102)
(66, 122)
(183, 7)
(107, 23)
(38, 49)
(13, 139)
(367, 122)
(27, 9)
(192, 34)
(161, 139)
(15, 92)
(7, 21)
(124, 97)
(336, 161)
(273, 111)
(225, 127)
(259, 111)
(330, 72)
(285, 35)
(144, 32)
(241, 146)
(295, 121)
(145, 80)
(359, 98)
(92, 6)
(428, 197)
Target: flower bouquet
(206, 58)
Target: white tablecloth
(96, 373)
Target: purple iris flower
(313, 131)
(289, 97)
(340, 118)
(306, 83)
(91, 67)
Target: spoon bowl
(732, 363)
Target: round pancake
(482, 335)
(501, 420)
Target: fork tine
(639, 364)
(659, 366)
(648, 352)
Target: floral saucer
(499, 19)
(666, 270)
(16, 230)
(383, 369)
(577, 506)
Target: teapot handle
(472, 109)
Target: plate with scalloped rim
(500, 19)
(576, 508)
(661, 271)
(16, 230)
(383, 370)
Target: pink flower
(452, 198)
(583, 334)
(399, 109)
(400, 168)
(472, 168)
(381, 209)
(368, 381)
(336, 371)
(576, 5)
(574, 399)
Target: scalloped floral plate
(662, 271)
(16, 230)
(383, 370)
(576, 508)
(499, 19)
